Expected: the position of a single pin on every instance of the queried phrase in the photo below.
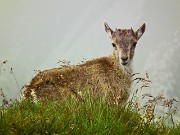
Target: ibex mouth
(124, 63)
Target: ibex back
(106, 77)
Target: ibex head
(124, 43)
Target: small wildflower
(72, 126)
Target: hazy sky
(36, 34)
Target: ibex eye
(134, 44)
(114, 45)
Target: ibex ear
(108, 30)
(140, 31)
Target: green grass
(81, 118)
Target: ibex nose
(124, 58)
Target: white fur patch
(33, 94)
(139, 34)
(127, 69)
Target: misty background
(36, 34)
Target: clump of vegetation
(79, 117)
(74, 117)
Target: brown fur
(102, 77)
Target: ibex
(106, 77)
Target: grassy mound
(73, 117)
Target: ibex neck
(127, 70)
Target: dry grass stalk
(148, 109)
